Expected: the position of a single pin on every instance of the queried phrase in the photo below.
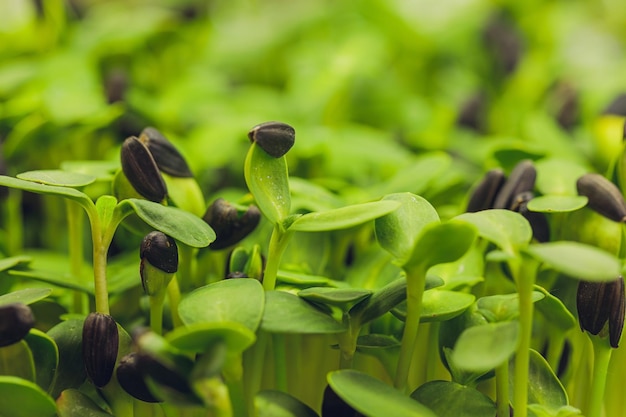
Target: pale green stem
(186, 267)
(601, 358)
(255, 367)
(525, 280)
(75, 249)
(347, 342)
(502, 390)
(433, 351)
(280, 360)
(237, 398)
(278, 243)
(15, 221)
(156, 312)
(415, 290)
(173, 293)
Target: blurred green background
(371, 86)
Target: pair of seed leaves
(179, 224)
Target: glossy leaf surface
(58, 178)
(73, 403)
(557, 203)
(25, 296)
(342, 218)
(21, 398)
(268, 181)
(198, 337)
(449, 399)
(279, 404)
(484, 347)
(233, 300)
(45, 357)
(374, 398)
(577, 260)
(398, 231)
(288, 313)
(439, 305)
(176, 223)
(45, 189)
(343, 298)
(506, 229)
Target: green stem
(525, 280)
(601, 358)
(75, 249)
(15, 222)
(237, 398)
(255, 367)
(186, 267)
(278, 243)
(415, 290)
(502, 390)
(280, 362)
(156, 312)
(556, 341)
(173, 293)
(347, 342)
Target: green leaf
(508, 230)
(344, 298)
(300, 279)
(439, 305)
(58, 178)
(12, 262)
(268, 181)
(383, 300)
(557, 203)
(45, 355)
(558, 176)
(449, 399)
(502, 307)
(232, 300)
(179, 224)
(342, 218)
(544, 387)
(441, 243)
(538, 410)
(577, 260)
(17, 360)
(556, 313)
(73, 403)
(198, 337)
(21, 398)
(34, 187)
(102, 170)
(398, 231)
(68, 336)
(481, 348)
(373, 397)
(25, 296)
(288, 313)
(417, 177)
(271, 403)
(105, 205)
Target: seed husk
(522, 179)
(275, 138)
(601, 304)
(538, 221)
(603, 196)
(132, 379)
(100, 346)
(484, 194)
(229, 224)
(16, 320)
(142, 171)
(165, 154)
(160, 250)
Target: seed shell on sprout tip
(100, 346)
(160, 250)
(522, 179)
(16, 320)
(603, 196)
(167, 157)
(141, 170)
(484, 194)
(132, 378)
(275, 138)
(229, 225)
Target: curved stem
(278, 243)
